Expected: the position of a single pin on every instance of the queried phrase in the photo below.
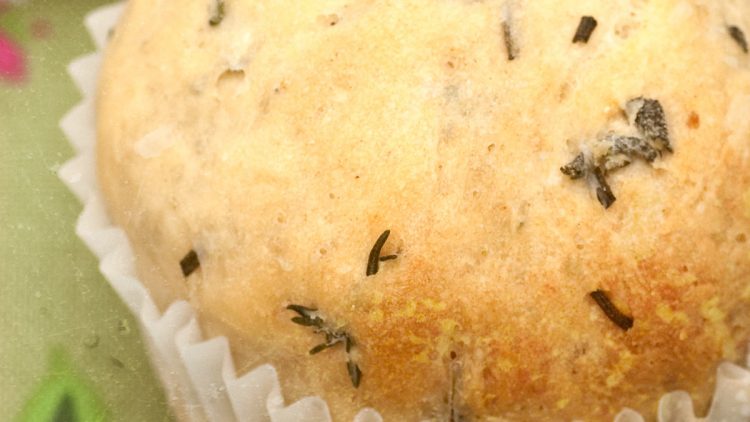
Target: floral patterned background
(69, 351)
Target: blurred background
(69, 350)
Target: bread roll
(268, 145)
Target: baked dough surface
(280, 143)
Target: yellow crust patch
(621, 368)
(668, 315)
(711, 310)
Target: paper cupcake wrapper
(199, 375)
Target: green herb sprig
(309, 317)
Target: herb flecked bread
(449, 209)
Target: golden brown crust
(279, 147)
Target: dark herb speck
(738, 36)
(585, 28)
(218, 14)
(648, 117)
(576, 168)
(375, 258)
(309, 317)
(603, 192)
(302, 310)
(319, 348)
(613, 151)
(510, 47)
(189, 263)
(632, 146)
(354, 373)
(621, 320)
(304, 322)
(622, 149)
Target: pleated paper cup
(198, 374)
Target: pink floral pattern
(12, 60)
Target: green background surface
(53, 299)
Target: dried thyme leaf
(354, 373)
(510, 47)
(738, 36)
(302, 310)
(610, 310)
(647, 116)
(603, 192)
(622, 149)
(319, 348)
(309, 317)
(218, 14)
(189, 263)
(374, 258)
(615, 151)
(585, 28)
(576, 168)
(633, 146)
(306, 322)
(387, 258)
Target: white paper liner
(199, 375)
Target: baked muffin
(443, 209)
